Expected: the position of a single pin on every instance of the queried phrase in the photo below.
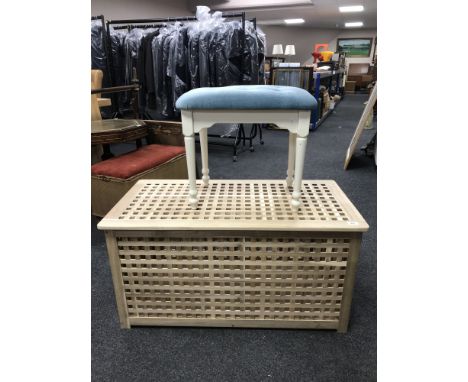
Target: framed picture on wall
(354, 47)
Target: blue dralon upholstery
(247, 97)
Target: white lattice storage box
(244, 258)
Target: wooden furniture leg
(291, 158)
(190, 153)
(204, 154)
(301, 143)
(107, 153)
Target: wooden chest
(243, 258)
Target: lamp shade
(277, 49)
(290, 50)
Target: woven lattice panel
(233, 277)
(234, 201)
(234, 204)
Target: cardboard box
(350, 86)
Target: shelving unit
(326, 78)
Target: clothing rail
(129, 24)
(144, 26)
(132, 22)
(170, 19)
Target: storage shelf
(328, 73)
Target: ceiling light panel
(259, 4)
(351, 8)
(354, 24)
(294, 21)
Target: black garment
(204, 58)
(167, 99)
(193, 60)
(117, 39)
(180, 74)
(157, 49)
(118, 57)
(234, 49)
(250, 58)
(145, 70)
(98, 52)
(217, 55)
(261, 42)
(149, 71)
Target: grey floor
(209, 354)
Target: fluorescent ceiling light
(351, 8)
(353, 24)
(294, 21)
(258, 4)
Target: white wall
(129, 9)
(305, 39)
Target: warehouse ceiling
(316, 13)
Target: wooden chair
(96, 83)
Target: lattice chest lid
(234, 205)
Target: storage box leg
(349, 283)
(113, 252)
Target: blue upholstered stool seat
(247, 97)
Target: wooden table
(107, 131)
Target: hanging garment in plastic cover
(262, 48)
(98, 53)
(234, 52)
(167, 99)
(177, 68)
(218, 49)
(117, 39)
(200, 39)
(157, 48)
(145, 72)
(132, 45)
(206, 24)
(250, 64)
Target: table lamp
(290, 50)
(277, 49)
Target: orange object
(318, 46)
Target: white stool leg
(190, 153)
(301, 143)
(291, 158)
(204, 154)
